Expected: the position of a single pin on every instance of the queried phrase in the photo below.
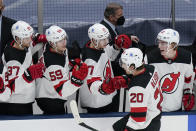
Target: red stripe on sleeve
(138, 114)
(139, 119)
(138, 109)
(93, 79)
(59, 87)
(187, 79)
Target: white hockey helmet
(55, 33)
(169, 36)
(22, 30)
(132, 56)
(98, 32)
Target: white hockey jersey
(99, 69)
(56, 82)
(175, 76)
(145, 98)
(15, 64)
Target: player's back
(145, 98)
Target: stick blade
(74, 110)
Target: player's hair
(139, 68)
(174, 44)
(111, 9)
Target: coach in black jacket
(6, 36)
(113, 17)
(5, 26)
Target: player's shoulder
(183, 56)
(91, 53)
(154, 56)
(144, 78)
(51, 58)
(12, 53)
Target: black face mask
(121, 20)
(0, 12)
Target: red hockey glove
(120, 82)
(74, 62)
(110, 85)
(79, 73)
(36, 71)
(2, 88)
(107, 87)
(123, 41)
(188, 100)
(38, 38)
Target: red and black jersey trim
(93, 79)
(12, 84)
(2, 88)
(187, 79)
(138, 114)
(59, 87)
(27, 77)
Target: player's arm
(122, 41)
(188, 94)
(104, 85)
(4, 91)
(138, 98)
(138, 109)
(66, 84)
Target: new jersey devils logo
(107, 71)
(169, 82)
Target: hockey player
(58, 82)
(17, 60)
(98, 54)
(144, 93)
(4, 91)
(175, 71)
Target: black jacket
(112, 33)
(6, 35)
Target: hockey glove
(110, 85)
(74, 62)
(188, 100)
(35, 71)
(79, 73)
(120, 82)
(38, 38)
(2, 88)
(107, 87)
(122, 41)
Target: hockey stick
(74, 110)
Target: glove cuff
(77, 82)
(102, 91)
(27, 76)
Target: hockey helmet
(132, 56)
(22, 30)
(98, 32)
(55, 33)
(169, 36)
